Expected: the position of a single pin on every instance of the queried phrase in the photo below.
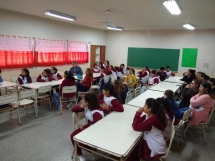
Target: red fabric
(142, 74)
(87, 81)
(21, 82)
(80, 57)
(39, 79)
(16, 59)
(58, 77)
(67, 82)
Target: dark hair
(193, 72)
(133, 70)
(108, 63)
(206, 77)
(74, 62)
(89, 72)
(27, 74)
(161, 68)
(147, 68)
(208, 89)
(93, 102)
(111, 66)
(165, 103)
(212, 80)
(167, 66)
(158, 109)
(169, 93)
(153, 71)
(55, 69)
(109, 87)
(197, 82)
(69, 76)
(122, 65)
(95, 64)
(102, 67)
(101, 64)
(47, 71)
(201, 73)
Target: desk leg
(75, 155)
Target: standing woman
(55, 74)
(24, 77)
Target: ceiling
(135, 14)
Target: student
(113, 73)
(55, 74)
(130, 79)
(153, 79)
(205, 78)
(124, 69)
(162, 74)
(95, 69)
(189, 91)
(169, 72)
(68, 81)
(144, 75)
(100, 65)
(118, 72)
(24, 77)
(1, 80)
(106, 65)
(211, 81)
(75, 69)
(168, 94)
(199, 76)
(104, 78)
(93, 113)
(152, 124)
(45, 76)
(108, 101)
(189, 76)
(120, 90)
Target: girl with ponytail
(153, 122)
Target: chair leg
(176, 134)
(35, 108)
(184, 131)
(10, 115)
(50, 103)
(187, 127)
(61, 107)
(203, 131)
(73, 153)
(18, 115)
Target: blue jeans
(182, 110)
(56, 97)
(81, 88)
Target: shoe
(68, 106)
(81, 158)
(59, 108)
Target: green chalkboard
(153, 58)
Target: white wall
(118, 43)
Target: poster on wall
(189, 57)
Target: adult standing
(75, 69)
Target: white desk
(163, 86)
(140, 100)
(174, 79)
(113, 134)
(5, 84)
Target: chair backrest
(128, 97)
(186, 115)
(27, 93)
(137, 91)
(7, 99)
(76, 117)
(14, 79)
(44, 89)
(69, 89)
(34, 79)
(172, 133)
(209, 118)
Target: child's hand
(56, 79)
(80, 127)
(46, 81)
(105, 106)
(84, 104)
(141, 110)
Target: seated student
(118, 72)
(55, 75)
(75, 69)
(100, 65)
(93, 113)
(211, 81)
(68, 81)
(45, 76)
(205, 78)
(1, 80)
(189, 91)
(162, 74)
(124, 69)
(153, 79)
(130, 79)
(199, 76)
(106, 65)
(168, 94)
(104, 78)
(108, 101)
(169, 72)
(144, 75)
(152, 124)
(24, 77)
(95, 69)
(113, 73)
(189, 76)
(120, 90)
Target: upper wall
(118, 43)
(18, 24)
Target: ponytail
(162, 115)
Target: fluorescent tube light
(60, 15)
(172, 6)
(188, 26)
(115, 28)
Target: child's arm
(59, 76)
(1, 80)
(141, 126)
(39, 79)
(30, 80)
(134, 80)
(200, 101)
(101, 97)
(77, 109)
(117, 106)
(20, 81)
(96, 117)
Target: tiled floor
(47, 138)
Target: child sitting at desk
(24, 77)
(144, 75)
(108, 101)
(153, 124)
(113, 74)
(45, 76)
(153, 79)
(93, 113)
(130, 79)
(55, 75)
(95, 69)
(118, 72)
(169, 72)
(124, 69)
(162, 74)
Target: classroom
(132, 60)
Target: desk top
(163, 86)
(174, 79)
(7, 84)
(113, 134)
(140, 100)
(37, 85)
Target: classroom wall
(18, 24)
(118, 43)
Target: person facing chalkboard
(162, 74)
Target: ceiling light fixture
(115, 28)
(172, 6)
(60, 15)
(188, 26)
